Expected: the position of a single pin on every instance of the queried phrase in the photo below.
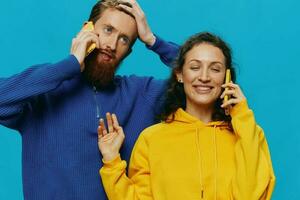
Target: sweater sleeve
(167, 51)
(18, 90)
(254, 177)
(135, 186)
(154, 91)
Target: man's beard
(100, 73)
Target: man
(57, 107)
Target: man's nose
(112, 42)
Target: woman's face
(203, 74)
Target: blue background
(264, 36)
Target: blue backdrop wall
(264, 36)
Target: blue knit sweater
(57, 112)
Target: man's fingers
(82, 35)
(90, 38)
(126, 9)
(132, 7)
(132, 4)
(93, 37)
(127, 3)
(80, 46)
(137, 8)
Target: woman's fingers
(115, 120)
(235, 93)
(113, 127)
(230, 85)
(102, 127)
(99, 130)
(230, 102)
(109, 123)
(233, 90)
(228, 92)
(116, 125)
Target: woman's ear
(179, 77)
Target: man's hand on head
(144, 31)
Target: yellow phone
(89, 26)
(227, 80)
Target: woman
(197, 152)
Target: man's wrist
(151, 40)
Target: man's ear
(128, 52)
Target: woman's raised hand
(110, 140)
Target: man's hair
(101, 6)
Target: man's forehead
(119, 20)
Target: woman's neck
(202, 112)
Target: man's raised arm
(167, 51)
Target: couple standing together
(203, 147)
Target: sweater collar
(112, 86)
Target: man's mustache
(108, 52)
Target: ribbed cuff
(113, 162)
(69, 66)
(156, 44)
(239, 108)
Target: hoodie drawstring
(216, 158)
(200, 161)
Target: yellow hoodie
(190, 160)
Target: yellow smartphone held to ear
(227, 80)
(226, 97)
(89, 26)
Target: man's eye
(107, 29)
(124, 40)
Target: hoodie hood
(182, 116)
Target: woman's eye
(216, 69)
(194, 67)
